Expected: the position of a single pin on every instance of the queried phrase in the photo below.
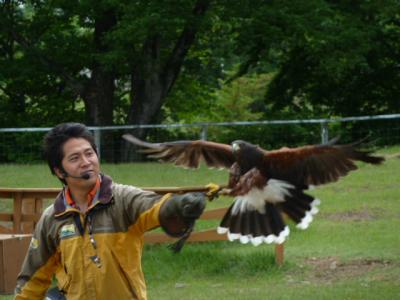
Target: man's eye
(72, 159)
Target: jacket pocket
(63, 280)
(124, 276)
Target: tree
(111, 62)
(93, 48)
(331, 57)
(95, 52)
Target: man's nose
(85, 160)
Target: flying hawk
(265, 184)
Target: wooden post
(279, 250)
(28, 208)
(38, 208)
(17, 215)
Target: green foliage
(21, 147)
(346, 66)
(239, 99)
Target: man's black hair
(55, 139)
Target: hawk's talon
(213, 191)
(225, 191)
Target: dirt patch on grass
(330, 269)
(357, 216)
(391, 156)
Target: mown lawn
(350, 251)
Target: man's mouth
(89, 172)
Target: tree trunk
(98, 93)
(147, 87)
(98, 97)
(152, 80)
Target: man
(91, 238)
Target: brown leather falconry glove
(178, 214)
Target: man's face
(79, 159)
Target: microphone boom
(85, 176)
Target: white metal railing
(203, 126)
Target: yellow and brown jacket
(96, 255)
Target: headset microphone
(85, 176)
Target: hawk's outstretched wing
(316, 164)
(187, 154)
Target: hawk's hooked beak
(235, 147)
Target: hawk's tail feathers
(300, 207)
(252, 226)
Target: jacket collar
(104, 197)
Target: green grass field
(350, 251)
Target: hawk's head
(244, 149)
(247, 155)
(240, 146)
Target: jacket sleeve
(139, 207)
(144, 209)
(40, 262)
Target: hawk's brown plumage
(264, 183)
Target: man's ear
(60, 173)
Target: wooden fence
(28, 205)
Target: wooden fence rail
(28, 206)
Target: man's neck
(80, 196)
